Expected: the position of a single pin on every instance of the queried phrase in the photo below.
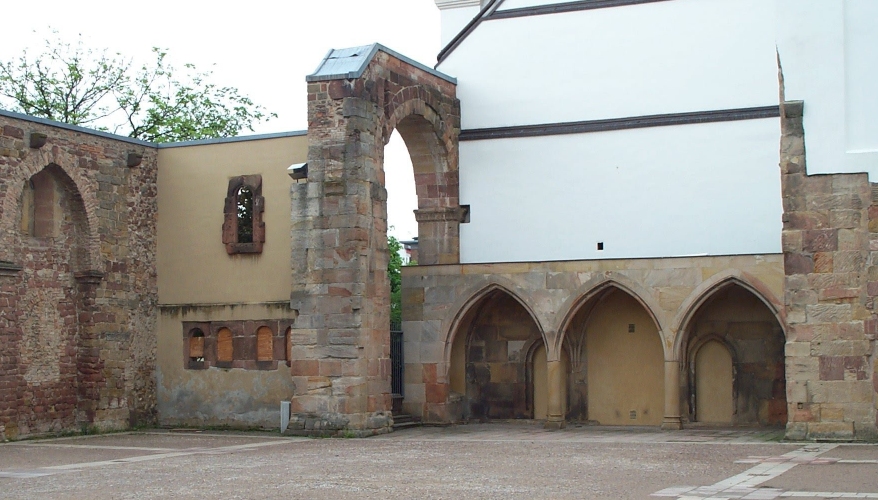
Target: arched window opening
(243, 229)
(264, 344)
(224, 347)
(244, 199)
(39, 211)
(196, 346)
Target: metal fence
(397, 364)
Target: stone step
(402, 420)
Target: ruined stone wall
(341, 367)
(77, 303)
(830, 244)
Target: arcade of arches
(614, 363)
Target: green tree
(394, 273)
(74, 84)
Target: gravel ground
(485, 462)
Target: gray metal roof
(229, 140)
(75, 128)
(350, 63)
(163, 145)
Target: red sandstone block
(839, 293)
(15, 132)
(436, 393)
(430, 373)
(305, 368)
(339, 89)
(856, 365)
(823, 240)
(832, 368)
(797, 264)
(330, 368)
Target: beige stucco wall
(217, 396)
(713, 384)
(625, 369)
(193, 266)
(199, 282)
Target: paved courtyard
(499, 460)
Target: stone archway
(732, 315)
(617, 355)
(356, 98)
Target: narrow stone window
(243, 229)
(264, 344)
(224, 348)
(288, 346)
(196, 346)
(27, 208)
(39, 207)
(245, 215)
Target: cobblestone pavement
(498, 460)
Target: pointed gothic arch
(594, 288)
(471, 299)
(708, 289)
(82, 188)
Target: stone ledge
(9, 268)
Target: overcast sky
(263, 48)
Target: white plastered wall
(827, 49)
(706, 189)
(665, 57)
(455, 15)
(710, 189)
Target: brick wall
(77, 304)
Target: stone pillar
(555, 413)
(438, 235)
(340, 361)
(89, 355)
(672, 420)
(10, 343)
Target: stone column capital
(439, 214)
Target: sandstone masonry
(830, 243)
(77, 281)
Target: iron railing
(397, 364)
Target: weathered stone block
(831, 368)
(831, 431)
(797, 349)
(798, 264)
(840, 348)
(828, 313)
(823, 240)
